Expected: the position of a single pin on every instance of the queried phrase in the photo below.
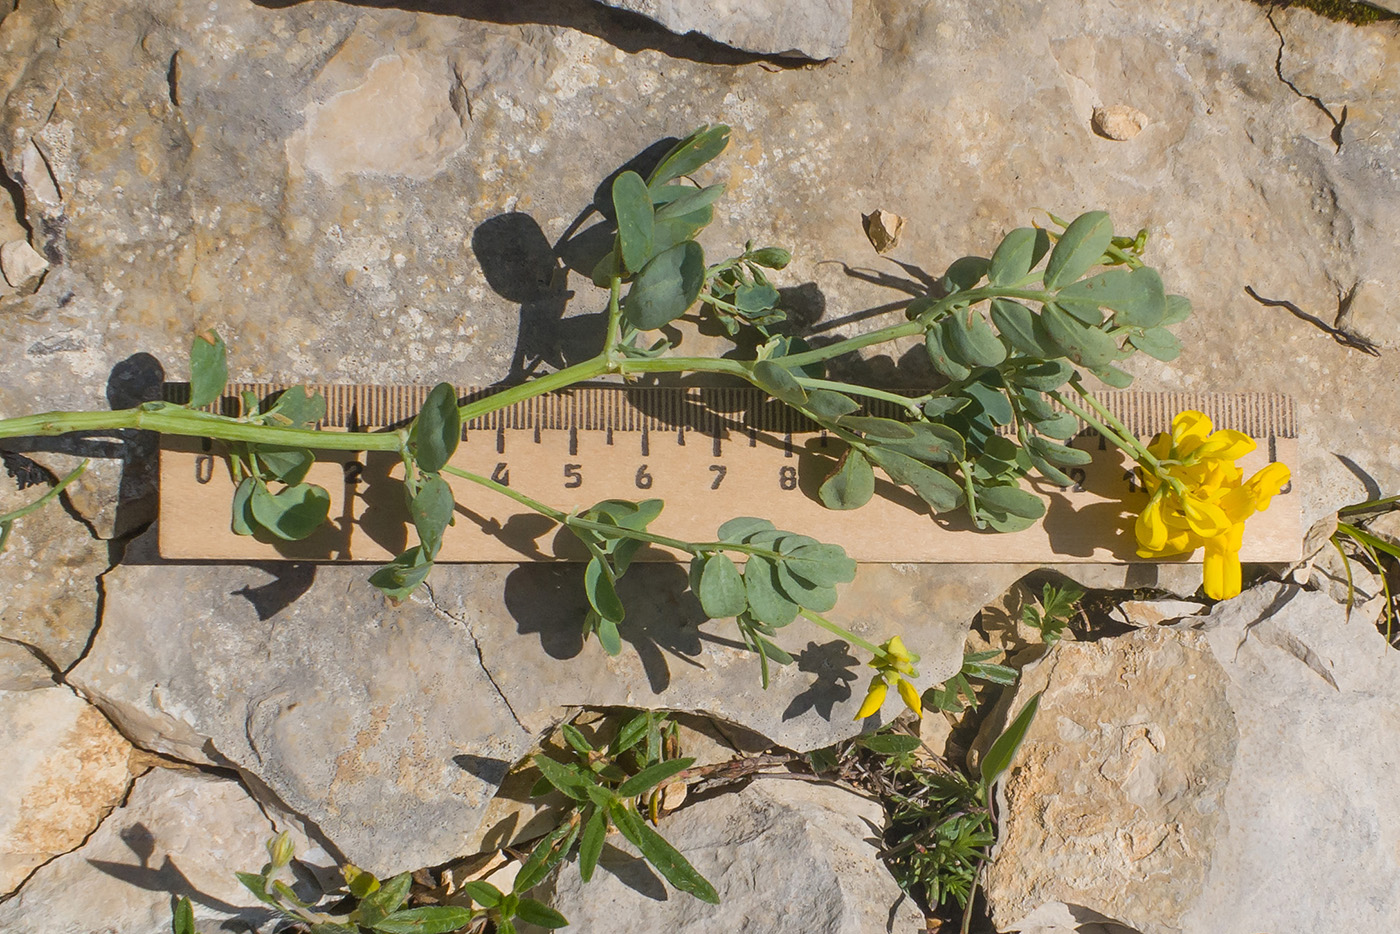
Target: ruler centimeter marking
(574, 448)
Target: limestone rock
(63, 769)
(1190, 780)
(48, 578)
(1142, 613)
(179, 833)
(375, 723)
(882, 229)
(22, 668)
(20, 263)
(526, 621)
(784, 860)
(1118, 122)
(816, 29)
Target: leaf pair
(611, 550)
(656, 226)
(432, 440)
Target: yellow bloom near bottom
(1200, 499)
(891, 668)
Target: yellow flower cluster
(1201, 499)
(894, 667)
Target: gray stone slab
(785, 858)
(816, 29)
(375, 723)
(1192, 780)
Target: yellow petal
(910, 695)
(1267, 483)
(873, 699)
(1160, 446)
(1189, 429)
(1226, 445)
(1205, 518)
(1221, 573)
(1151, 528)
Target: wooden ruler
(711, 454)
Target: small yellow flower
(894, 667)
(1200, 499)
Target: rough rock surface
(529, 636)
(64, 768)
(22, 668)
(816, 29)
(785, 860)
(48, 579)
(380, 197)
(1191, 780)
(179, 833)
(375, 723)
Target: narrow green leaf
(385, 900)
(778, 381)
(934, 487)
(432, 511)
(574, 738)
(293, 513)
(766, 602)
(722, 593)
(651, 776)
(437, 430)
(666, 287)
(1079, 247)
(690, 153)
(208, 369)
(595, 831)
(636, 220)
(1016, 324)
(563, 777)
(546, 854)
(850, 485)
(601, 592)
(540, 915)
(998, 758)
(257, 884)
(483, 893)
(430, 919)
(828, 404)
(358, 881)
(182, 919)
(1019, 251)
(664, 857)
(889, 744)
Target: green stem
(170, 419)
(905, 402)
(576, 522)
(843, 633)
(8, 519)
(614, 331)
(560, 379)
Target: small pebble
(882, 228)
